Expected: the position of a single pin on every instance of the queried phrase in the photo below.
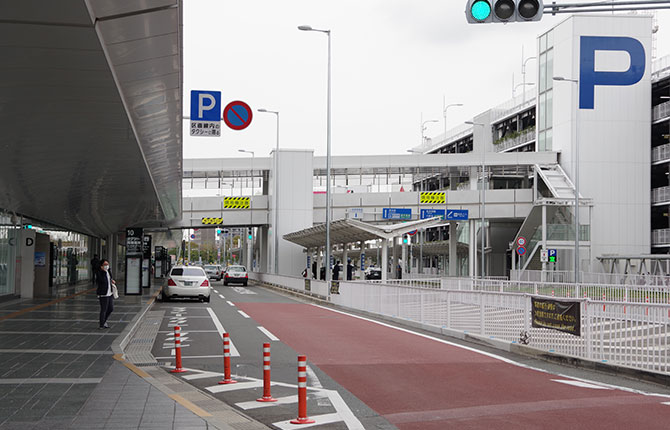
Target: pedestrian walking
(95, 266)
(350, 270)
(105, 291)
(336, 271)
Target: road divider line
(243, 314)
(319, 420)
(268, 334)
(221, 295)
(255, 405)
(234, 387)
(230, 303)
(189, 356)
(216, 291)
(219, 327)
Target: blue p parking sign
(205, 113)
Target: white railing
(661, 111)
(567, 276)
(624, 333)
(660, 237)
(524, 137)
(660, 194)
(660, 153)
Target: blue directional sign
(396, 213)
(457, 215)
(362, 261)
(206, 113)
(432, 213)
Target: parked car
(186, 282)
(236, 274)
(214, 271)
(373, 273)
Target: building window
(545, 91)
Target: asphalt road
(371, 375)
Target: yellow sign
(236, 202)
(212, 221)
(433, 197)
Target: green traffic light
(480, 10)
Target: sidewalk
(59, 370)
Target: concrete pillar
(394, 269)
(453, 249)
(345, 255)
(472, 249)
(385, 259)
(264, 250)
(405, 266)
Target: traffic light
(405, 239)
(250, 234)
(218, 231)
(484, 11)
(478, 11)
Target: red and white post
(302, 392)
(177, 348)
(267, 397)
(226, 361)
(604, 298)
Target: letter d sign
(589, 77)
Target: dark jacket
(101, 281)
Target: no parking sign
(237, 115)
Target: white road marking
(230, 303)
(313, 381)
(319, 420)
(234, 387)
(219, 327)
(189, 356)
(268, 334)
(581, 384)
(242, 290)
(183, 332)
(243, 314)
(255, 405)
(202, 375)
(496, 357)
(665, 403)
(216, 291)
(221, 295)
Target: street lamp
(444, 113)
(423, 128)
(576, 158)
(523, 72)
(276, 168)
(530, 84)
(253, 155)
(483, 271)
(328, 161)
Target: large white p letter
(202, 107)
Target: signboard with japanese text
(558, 315)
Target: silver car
(236, 274)
(186, 282)
(214, 271)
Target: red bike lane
(420, 383)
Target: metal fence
(661, 111)
(660, 236)
(660, 153)
(567, 276)
(633, 334)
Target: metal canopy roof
(90, 112)
(349, 231)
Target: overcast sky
(393, 60)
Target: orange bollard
(267, 397)
(604, 298)
(226, 361)
(177, 348)
(646, 310)
(302, 393)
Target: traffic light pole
(614, 6)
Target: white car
(186, 282)
(236, 274)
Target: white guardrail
(630, 333)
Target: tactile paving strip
(138, 350)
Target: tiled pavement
(58, 370)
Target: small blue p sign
(205, 105)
